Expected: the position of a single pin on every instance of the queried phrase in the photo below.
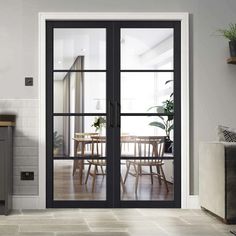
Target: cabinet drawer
(2, 169)
(3, 133)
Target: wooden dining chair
(82, 151)
(98, 150)
(152, 148)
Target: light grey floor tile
(36, 234)
(42, 221)
(37, 212)
(8, 229)
(54, 228)
(95, 234)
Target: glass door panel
(150, 90)
(78, 118)
(146, 48)
(147, 86)
(84, 91)
(87, 43)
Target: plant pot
(232, 48)
(56, 151)
(168, 145)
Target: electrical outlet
(29, 81)
(27, 175)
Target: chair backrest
(150, 146)
(98, 147)
(127, 145)
(86, 136)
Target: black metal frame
(113, 111)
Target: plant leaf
(168, 81)
(157, 124)
(171, 127)
(159, 109)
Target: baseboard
(193, 202)
(25, 202)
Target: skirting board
(25, 202)
(193, 202)
(32, 202)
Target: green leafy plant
(99, 123)
(229, 33)
(166, 122)
(57, 139)
(167, 82)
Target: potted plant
(165, 122)
(230, 34)
(99, 123)
(57, 143)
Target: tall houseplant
(230, 34)
(165, 122)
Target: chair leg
(122, 184)
(151, 174)
(127, 172)
(88, 172)
(75, 166)
(94, 177)
(158, 172)
(97, 169)
(138, 172)
(102, 170)
(164, 178)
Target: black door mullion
(110, 115)
(49, 116)
(116, 91)
(177, 116)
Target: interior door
(147, 71)
(113, 114)
(79, 82)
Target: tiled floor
(112, 222)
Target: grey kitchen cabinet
(6, 166)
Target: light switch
(29, 81)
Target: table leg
(81, 165)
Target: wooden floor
(67, 187)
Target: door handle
(117, 114)
(110, 114)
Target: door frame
(184, 19)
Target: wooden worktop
(7, 123)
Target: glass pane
(147, 180)
(143, 92)
(67, 185)
(79, 92)
(87, 45)
(140, 133)
(146, 49)
(73, 135)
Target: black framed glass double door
(113, 113)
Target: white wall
(212, 81)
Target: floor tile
(54, 228)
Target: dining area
(143, 161)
